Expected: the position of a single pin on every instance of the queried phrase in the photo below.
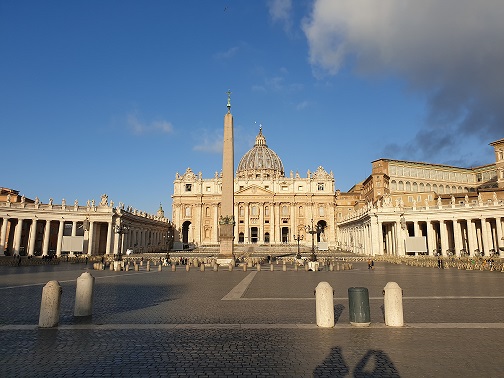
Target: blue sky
(116, 97)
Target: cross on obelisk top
(229, 100)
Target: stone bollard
(50, 305)
(393, 305)
(188, 268)
(284, 267)
(173, 267)
(245, 267)
(258, 266)
(111, 267)
(296, 267)
(126, 267)
(147, 268)
(272, 267)
(160, 268)
(196, 263)
(137, 268)
(141, 262)
(358, 306)
(306, 267)
(324, 305)
(337, 266)
(84, 295)
(202, 267)
(230, 267)
(331, 267)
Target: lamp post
(120, 229)
(298, 239)
(312, 230)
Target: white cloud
(224, 55)
(139, 127)
(209, 142)
(449, 50)
(281, 11)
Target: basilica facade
(400, 206)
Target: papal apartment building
(401, 208)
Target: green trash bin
(358, 305)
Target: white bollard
(284, 268)
(50, 305)
(173, 267)
(202, 267)
(393, 305)
(160, 268)
(84, 295)
(147, 268)
(245, 267)
(324, 305)
(216, 267)
(188, 268)
(230, 267)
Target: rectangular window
(207, 188)
(188, 187)
(410, 199)
(266, 187)
(419, 198)
(285, 188)
(320, 186)
(300, 188)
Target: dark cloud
(449, 51)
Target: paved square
(252, 324)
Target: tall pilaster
(227, 200)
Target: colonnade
(466, 233)
(38, 236)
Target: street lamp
(120, 229)
(312, 230)
(298, 239)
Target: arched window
(400, 186)
(408, 186)
(188, 211)
(267, 237)
(415, 187)
(285, 210)
(301, 211)
(207, 212)
(254, 210)
(393, 185)
(266, 211)
(321, 210)
(421, 187)
(242, 211)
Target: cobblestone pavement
(252, 324)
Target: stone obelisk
(226, 220)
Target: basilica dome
(260, 161)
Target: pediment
(253, 190)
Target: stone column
(380, 238)
(109, 238)
(3, 234)
(260, 231)
(486, 236)
(33, 234)
(498, 229)
(246, 236)
(215, 226)
(90, 238)
(443, 229)
(60, 237)
(431, 237)
(45, 242)
(457, 237)
(416, 227)
(471, 235)
(272, 222)
(74, 228)
(17, 236)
